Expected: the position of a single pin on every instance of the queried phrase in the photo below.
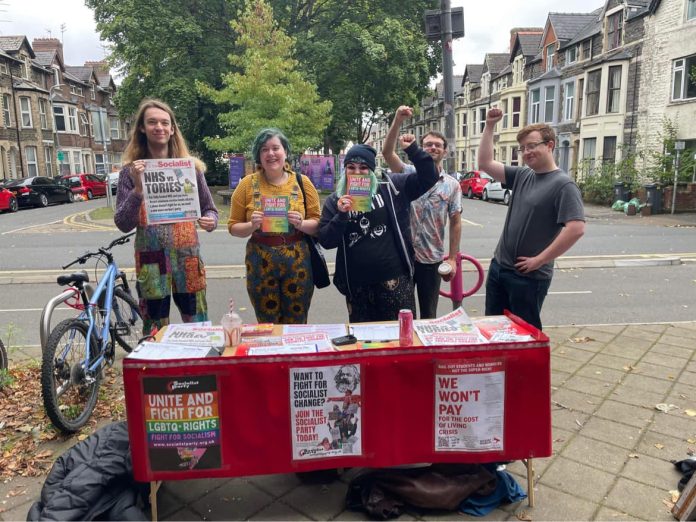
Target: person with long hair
(278, 265)
(167, 256)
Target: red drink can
(405, 327)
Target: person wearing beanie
(374, 263)
(429, 215)
(278, 264)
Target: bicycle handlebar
(102, 251)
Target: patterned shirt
(429, 216)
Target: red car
(472, 183)
(87, 184)
(8, 201)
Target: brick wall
(686, 198)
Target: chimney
(100, 67)
(49, 44)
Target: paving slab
(600, 455)
(639, 500)
(577, 479)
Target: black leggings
(380, 301)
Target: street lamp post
(56, 144)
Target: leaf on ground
(690, 413)
(674, 494)
(630, 368)
(19, 490)
(664, 407)
(581, 339)
(633, 455)
(691, 441)
(523, 515)
(659, 446)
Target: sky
(487, 25)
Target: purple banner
(320, 170)
(236, 169)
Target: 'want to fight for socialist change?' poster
(182, 422)
(170, 191)
(325, 405)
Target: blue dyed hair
(265, 135)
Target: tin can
(405, 327)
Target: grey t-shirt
(541, 205)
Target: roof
(472, 73)
(440, 87)
(507, 70)
(12, 43)
(82, 73)
(44, 57)
(567, 25)
(529, 43)
(496, 62)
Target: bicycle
(4, 360)
(77, 349)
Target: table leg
(154, 487)
(530, 481)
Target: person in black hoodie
(374, 264)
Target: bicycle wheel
(126, 322)
(69, 393)
(4, 360)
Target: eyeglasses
(434, 145)
(530, 146)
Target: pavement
(612, 447)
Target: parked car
(112, 178)
(90, 185)
(473, 182)
(38, 191)
(494, 191)
(8, 201)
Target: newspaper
(170, 191)
(455, 328)
(192, 334)
(164, 351)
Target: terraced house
(56, 118)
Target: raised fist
(494, 115)
(405, 140)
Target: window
(594, 80)
(587, 49)
(48, 153)
(581, 90)
(569, 89)
(474, 126)
(115, 128)
(571, 55)
(84, 124)
(614, 30)
(609, 150)
(504, 107)
(77, 161)
(614, 89)
(465, 130)
(3, 68)
(43, 116)
(534, 117)
(588, 154)
(691, 9)
(25, 111)
(683, 81)
(72, 119)
(6, 114)
(77, 91)
(93, 92)
(516, 108)
(101, 163)
(32, 166)
(549, 57)
(482, 118)
(59, 117)
(24, 69)
(503, 154)
(549, 98)
(515, 160)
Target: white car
(112, 179)
(495, 192)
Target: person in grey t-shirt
(544, 220)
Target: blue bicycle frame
(106, 282)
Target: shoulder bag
(320, 272)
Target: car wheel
(484, 196)
(43, 200)
(89, 194)
(470, 194)
(71, 197)
(14, 206)
(506, 197)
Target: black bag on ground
(386, 493)
(320, 272)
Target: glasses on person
(433, 144)
(530, 146)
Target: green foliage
(597, 186)
(161, 48)
(267, 90)
(663, 162)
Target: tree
(267, 90)
(161, 48)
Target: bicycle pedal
(122, 329)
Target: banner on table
(320, 170)
(182, 422)
(470, 405)
(325, 407)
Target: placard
(325, 408)
(182, 422)
(469, 405)
(170, 191)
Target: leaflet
(275, 214)
(359, 188)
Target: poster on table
(326, 411)
(182, 422)
(170, 191)
(469, 404)
(319, 169)
(236, 169)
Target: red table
(239, 410)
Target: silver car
(495, 191)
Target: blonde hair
(137, 144)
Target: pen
(379, 341)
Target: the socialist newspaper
(170, 191)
